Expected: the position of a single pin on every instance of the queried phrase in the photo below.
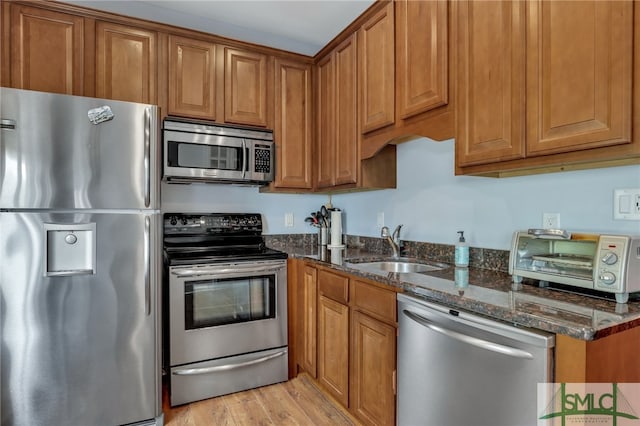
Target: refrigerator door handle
(147, 265)
(470, 340)
(7, 124)
(147, 157)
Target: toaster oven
(600, 262)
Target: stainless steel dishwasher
(459, 369)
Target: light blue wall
(433, 204)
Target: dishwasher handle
(480, 343)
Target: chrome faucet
(393, 239)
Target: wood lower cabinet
(245, 82)
(192, 78)
(308, 319)
(551, 91)
(333, 348)
(373, 365)
(355, 341)
(126, 63)
(46, 50)
(293, 124)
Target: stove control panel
(212, 223)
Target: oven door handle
(186, 273)
(227, 367)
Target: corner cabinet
(293, 128)
(337, 121)
(406, 66)
(355, 341)
(376, 46)
(574, 107)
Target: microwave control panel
(262, 159)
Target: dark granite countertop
(489, 293)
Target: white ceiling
(302, 26)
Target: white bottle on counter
(462, 252)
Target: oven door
(202, 156)
(219, 310)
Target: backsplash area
(491, 259)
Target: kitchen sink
(400, 266)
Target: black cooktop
(197, 238)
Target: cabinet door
(326, 139)
(421, 56)
(309, 320)
(377, 70)
(373, 364)
(579, 75)
(490, 81)
(333, 348)
(126, 63)
(347, 138)
(245, 83)
(47, 50)
(293, 124)
(192, 65)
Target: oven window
(201, 156)
(215, 302)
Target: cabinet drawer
(373, 300)
(333, 286)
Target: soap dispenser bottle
(462, 252)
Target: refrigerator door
(80, 341)
(53, 156)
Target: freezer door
(68, 152)
(80, 345)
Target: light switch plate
(626, 204)
(288, 220)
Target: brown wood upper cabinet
(245, 82)
(126, 63)
(46, 50)
(421, 56)
(192, 65)
(338, 139)
(377, 70)
(575, 103)
(293, 124)
(414, 73)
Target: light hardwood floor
(296, 402)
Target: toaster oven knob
(610, 258)
(607, 278)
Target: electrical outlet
(288, 220)
(551, 220)
(626, 204)
(380, 221)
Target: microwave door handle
(245, 162)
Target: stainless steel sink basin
(403, 267)
(399, 266)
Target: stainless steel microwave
(199, 151)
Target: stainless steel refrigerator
(79, 261)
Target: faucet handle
(384, 232)
(396, 233)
